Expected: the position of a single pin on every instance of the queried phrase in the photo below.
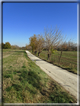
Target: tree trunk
(60, 57)
(38, 53)
(48, 56)
(35, 52)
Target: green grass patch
(68, 60)
(25, 82)
(23, 66)
(8, 88)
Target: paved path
(66, 79)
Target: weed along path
(66, 79)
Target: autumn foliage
(7, 45)
(37, 43)
(51, 41)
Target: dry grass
(24, 82)
(4, 56)
(21, 61)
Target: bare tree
(52, 39)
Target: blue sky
(23, 20)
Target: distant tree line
(7, 45)
(67, 46)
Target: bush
(7, 45)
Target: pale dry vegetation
(24, 82)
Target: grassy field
(25, 82)
(68, 60)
